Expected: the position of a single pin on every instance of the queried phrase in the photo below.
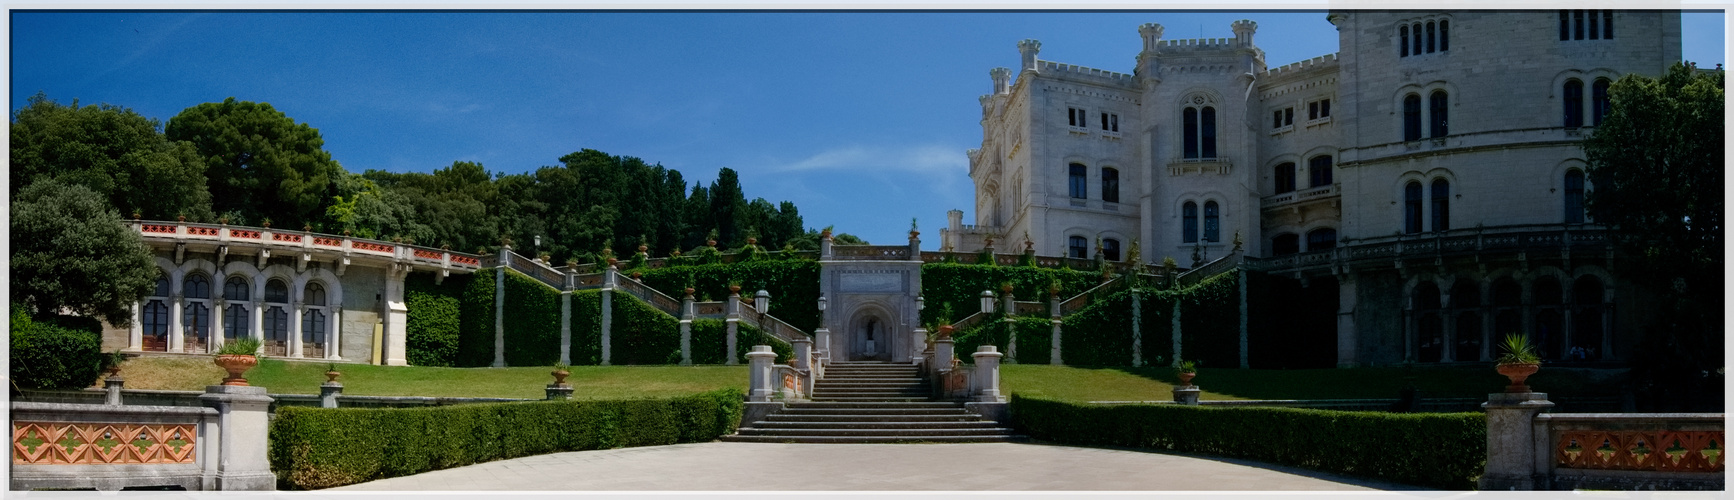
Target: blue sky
(860, 119)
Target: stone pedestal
(986, 375)
(242, 414)
(328, 393)
(759, 386)
(559, 391)
(112, 386)
(1513, 442)
(1187, 395)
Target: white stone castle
(1428, 174)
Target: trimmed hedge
(1210, 321)
(960, 286)
(54, 353)
(435, 320)
(1035, 339)
(1101, 334)
(792, 283)
(312, 448)
(476, 321)
(531, 322)
(1437, 450)
(710, 341)
(640, 334)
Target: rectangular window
(1076, 118)
(1595, 31)
(1079, 187)
(1104, 121)
(1607, 24)
(1564, 25)
(1319, 169)
(1113, 122)
(1577, 25)
(1207, 121)
(1313, 110)
(1110, 185)
(1276, 120)
(1189, 133)
(1325, 108)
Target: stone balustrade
(1529, 448)
(312, 244)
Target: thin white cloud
(928, 159)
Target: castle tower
(1001, 80)
(1028, 48)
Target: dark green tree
(70, 250)
(727, 201)
(1656, 168)
(259, 161)
(113, 151)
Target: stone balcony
(1294, 199)
(1220, 165)
(262, 242)
(1558, 240)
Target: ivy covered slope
(960, 285)
(452, 324)
(792, 283)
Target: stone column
(686, 315)
(986, 376)
(566, 322)
(295, 317)
(1054, 357)
(1487, 314)
(1174, 327)
(258, 330)
(396, 345)
(328, 393)
(1517, 451)
(759, 368)
(334, 337)
(112, 386)
(500, 308)
(214, 340)
(1011, 330)
(1346, 346)
(733, 306)
(242, 427)
(177, 337)
(1243, 333)
(135, 333)
(609, 274)
(1137, 328)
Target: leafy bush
(312, 448)
(793, 285)
(641, 334)
(435, 319)
(1035, 339)
(710, 341)
(1210, 320)
(46, 355)
(1437, 450)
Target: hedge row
(452, 324)
(1210, 320)
(54, 352)
(1035, 339)
(312, 448)
(435, 321)
(710, 342)
(960, 285)
(640, 334)
(793, 285)
(1436, 450)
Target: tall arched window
(1599, 96)
(1416, 48)
(236, 323)
(1189, 134)
(1319, 169)
(1573, 103)
(1444, 36)
(1077, 247)
(196, 313)
(1586, 319)
(1323, 238)
(1110, 185)
(1574, 196)
(276, 318)
(1189, 222)
(1412, 117)
(156, 317)
(1441, 205)
(1111, 249)
(1429, 37)
(313, 321)
(1412, 208)
(1200, 132)
(1403, 41)
(1212, 227)
(1075, 175)
(1285, 244)
(1466, 300)
(1436, 114)
(1207, 131)
(1285, 178)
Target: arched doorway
(870, 337)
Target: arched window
(276, 318)
(1573, 103)
(276, 292)
(1429, 37)
(1079, 187)
(1574, 196)
(1111, 249)
(1189, 134)
(1466, 300)
(1441, 205)
(1412, 117)
(1564, 24)
(1189, 222)
(1207, 131)
(236, 324)
(196, 312)
(1077, 247)
(1403, 41)
(1323, 238)
(1586, 320)
(1212, 228)
(1285, 244)
(1436, 114)
(313, 329)
(1110, 185)
(196, 287)
(162, 288)
(1285, 178)
(1416, 48)
(155, 317)
(1319, 169)
(1444, 36)
(1412, 208)
(1430, 341)
(1599, 96)
(314, 295)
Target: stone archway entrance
(870, 337)
(873, 312)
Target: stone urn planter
(1186, 378)
(637, 275)
(331, 375)
(945, 332)
(710, 243)
(643, 248)
(612, 261)
(560, 375)
(734, 289)
(689, 291)
(236, 365)
(1519, 374)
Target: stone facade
(1436, 155)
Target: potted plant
(1518, 362)
(111, 363)
(734, 287)
(331, 373)
(236, 357)
(561, 371)
(913, 230)
(266, 223)
(1005, 287)
(1186, 371)
(1054, 288)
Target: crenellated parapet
(1092, 75)
(1320, 62)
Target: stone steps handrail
(535, 269)
(1215, 267)
(771, 325)
(660, 301)
(305, 241)
(1082, 300)
(969, 322)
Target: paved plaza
(870, 467)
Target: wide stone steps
(873, 403)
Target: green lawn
(1156, 383)
(588, 382)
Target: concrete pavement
(723, 466)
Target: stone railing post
(243, 425)
(686, 314)
(609, 275)
(985, 379)
(1011, 329)
(112, 386)
(824, 246)
(939, 366)
(500, 308)
(1054, 357)
(731, 339)
(759, 369)
(1137, 328)
(1516, 448)
(1187, 394)
(571, 281)
(328, 393)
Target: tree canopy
(70, 250)
(260, 162)
(114, 151)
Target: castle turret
(1152, 34)
(1148, 65)
(1029, 48)
(1243, 30)
(1001, 80)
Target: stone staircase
(873, 402)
